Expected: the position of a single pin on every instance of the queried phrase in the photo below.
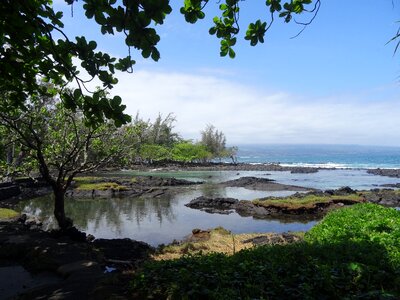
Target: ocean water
(339, 156)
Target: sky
(336, 83)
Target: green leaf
(232, 53)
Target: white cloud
(249, 115)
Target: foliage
(34, 45)
(6, 213)
(160, 132)
(226, 26)
(60, 139)
(150, 141)
(215, 143)
(60, 143)
(361, 223)
(214, 140)
(190, 152)
(30, 50)
(359, 267)
(154, 152)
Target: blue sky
(337, 83)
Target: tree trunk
(59, 212)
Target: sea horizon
(321, 155)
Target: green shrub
(356, 263)
(367, 223)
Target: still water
(163, 219)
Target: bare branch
(315, 10)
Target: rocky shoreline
(265, 208)
(151, 186)
(55, 266)
(263, 184)
(385, 172)
(168, 166)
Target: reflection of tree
(212, 190)
(160, 207)
(114, 211)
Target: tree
(214, 141)
(154, 152)
(188, 152)
(226, 26)
(161, 131)
(61, 143)
(34, 45)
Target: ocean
(324, 156)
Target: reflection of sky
(323, 179)
(163, 219)
(155, 231)
(159, 220)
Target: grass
(353, 253)
(102, 186)
(216, 240)
(306, 201)
(86, 179)
(6, 213)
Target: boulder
(214, 203)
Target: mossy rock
(6, 213)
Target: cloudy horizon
(249, 115)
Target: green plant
(326, 266)
(365, 222)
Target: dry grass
(215, 240)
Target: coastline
(267, 166)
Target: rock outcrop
(262, 184)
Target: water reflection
(157, 220)
(112, 212)
(165, 218)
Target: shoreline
(223, 166)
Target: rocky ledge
(312, 205)
(287, 207)
(25, 188)
(263, 184)
(386, 197)
(214, 205)
(52, 266)
(214, 166)
(134, 187)
(385, 172)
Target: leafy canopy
(35, 46)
